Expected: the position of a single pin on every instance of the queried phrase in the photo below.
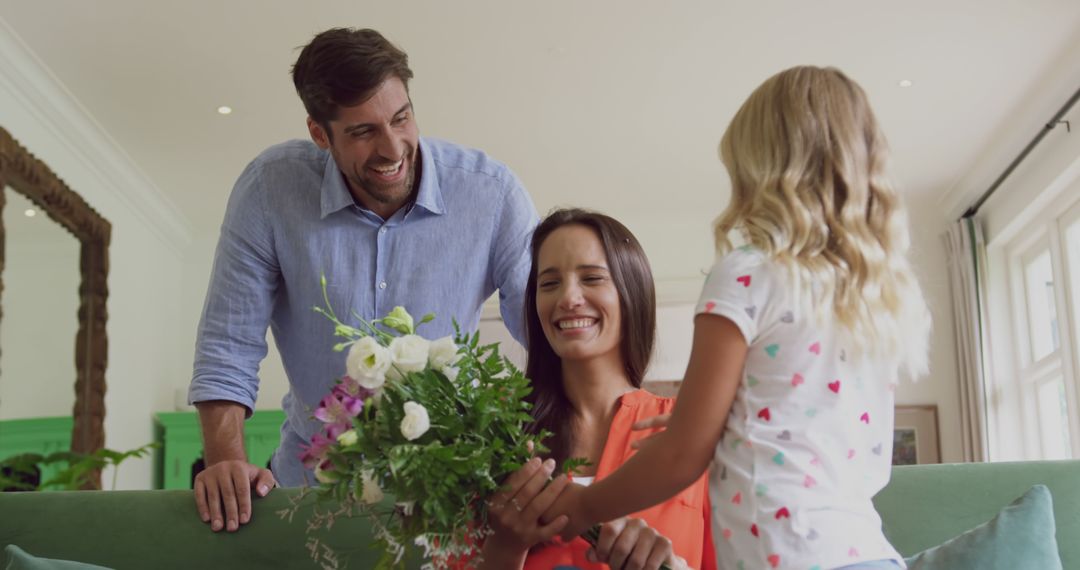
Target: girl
(798, 341)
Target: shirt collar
(336, 196)
(430, 195)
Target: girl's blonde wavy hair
(807, 166)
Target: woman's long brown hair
(632, 276)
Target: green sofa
(922, 507)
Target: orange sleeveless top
(685, 518)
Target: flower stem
(326, 298)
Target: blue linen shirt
(291, 218)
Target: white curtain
(967, 282)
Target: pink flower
(312, 455)
(338, 409)
(334, 430)
(351, 388)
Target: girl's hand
(514, 513)
(660, 421)
(630, 544)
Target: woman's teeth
(576, 323)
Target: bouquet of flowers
(435, 424)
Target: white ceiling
(612, 105)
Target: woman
(591, 321)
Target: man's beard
(388, 193)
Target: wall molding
(61, 114)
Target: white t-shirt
(808, 441)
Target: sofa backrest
(921, 507)
(160, 529)
(926, 505)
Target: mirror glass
(40, 313)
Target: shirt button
(382, 285)
(382, 231)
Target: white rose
(368, 362)
(409, 352)
(443, 353)
(348, 438)
(451, 373)
(372, 493)
(416, 422)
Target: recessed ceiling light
(30, 213)
(224, 110)
(905, 83)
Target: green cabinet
(181, 444)
(36, 435)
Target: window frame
(1046, 232)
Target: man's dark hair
(342, 67)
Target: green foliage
(18, 470)
(477, 437)
(571, 465)
(441, 480)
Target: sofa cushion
(16, 558)
(1020, 536)
(925, 505)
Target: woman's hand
(514, 514)
(630, 544)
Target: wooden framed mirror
(33, 179)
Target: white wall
(147, 242)
(674, 337)
(940, 387)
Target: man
(389, 217)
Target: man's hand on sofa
(223, 489)
(223, 493)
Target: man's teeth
(389, 170)
(576, 323)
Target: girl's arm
(682, 452)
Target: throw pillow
(1020, 536)
(18, 559)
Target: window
(1044, 294)
(1042, 314)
